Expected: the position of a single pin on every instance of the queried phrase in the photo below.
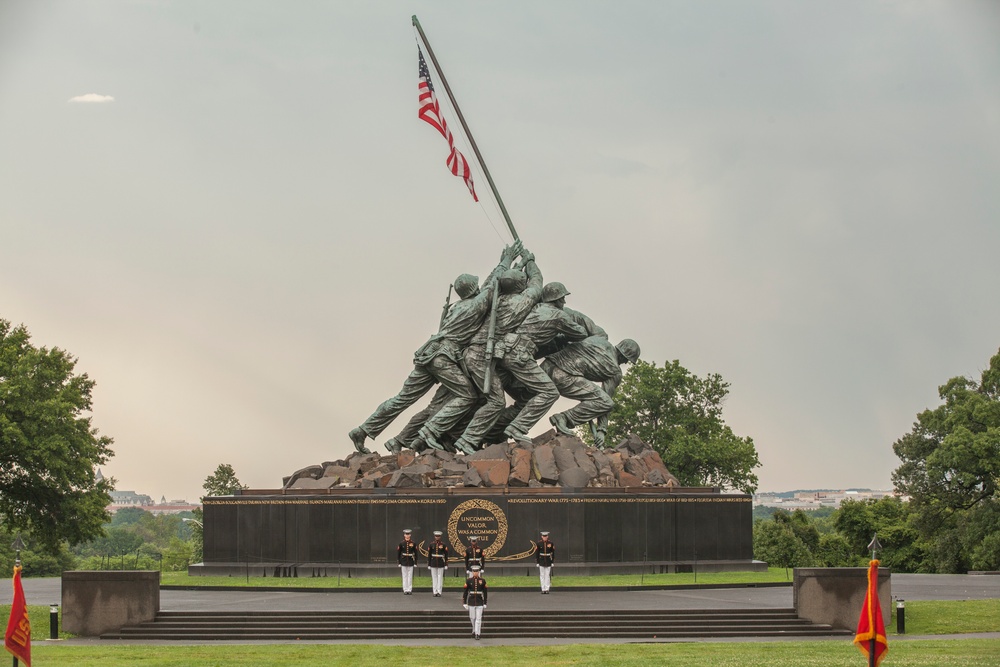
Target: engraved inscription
(479, 518)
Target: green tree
(48, 449)
(834, 551)
(800, 523)
(903, 549)
(776, 543)
(128, 516)
(197, 536)
(37, 560)
(680, 415)
(177, 556)
(951, 470)
(117, 541)
(222, 482)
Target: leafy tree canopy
(951, 471)
(48, 449)
(776, 542)
(222, 482)
(903, 549)
(128, 516)
(680, 415)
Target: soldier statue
(438, 359)
(520, 291)
(575, 369)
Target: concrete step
(430, 624)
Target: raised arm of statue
(506, 258)
(534, 288)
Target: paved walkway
(906, 586)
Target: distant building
(130, 499)
(123, 499)
(814, 500)
(171, 507)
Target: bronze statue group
(487, 348)
(476, 592)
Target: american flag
(430, 111)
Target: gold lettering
(22, 633)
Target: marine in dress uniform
(474, 599)
(437, 562)
(545, 556)
(406, 555)
(474, 556)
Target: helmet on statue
(554, 291)
(629, 349)
(512, 281)
(466, 285)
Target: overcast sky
(231, 215)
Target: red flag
(17, 640)
(430, 111)
(870, 625)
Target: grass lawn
(925, 653)
(38, 614)
(774, 574)
(945, 617)
(927, 617)
(922, 617)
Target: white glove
(466, 607)
(484, 607)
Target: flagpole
(465, 126)
(17, 563)
(874, 545)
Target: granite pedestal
(353, 532)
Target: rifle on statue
(491, 340)
(447, 305)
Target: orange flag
(870, 625)
(17, 640)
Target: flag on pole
(870, 625)
(17, 640)
(430, 111)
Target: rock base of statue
(549, 460)
(607, 512)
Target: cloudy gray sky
(243, 231)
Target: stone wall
(835, 595)
(95, 602)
